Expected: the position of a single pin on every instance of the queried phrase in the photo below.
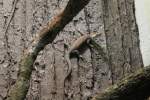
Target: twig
(11, 17)
(6, 41)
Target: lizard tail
(67, 58)
(69, 70)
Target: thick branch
(134, 87)
(45, 36)
(48, 34)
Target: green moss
(20, 89)
(26, 66)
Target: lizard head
(94, 34)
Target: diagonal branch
(134, 87)
(45, 36)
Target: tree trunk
(119, 38)
(122, 37)
(122, 43)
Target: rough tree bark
(88, 76)
(133, 87)
(45, 36)
(122, 43)
(122, 37)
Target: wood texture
(45, 36)
(89, 75)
